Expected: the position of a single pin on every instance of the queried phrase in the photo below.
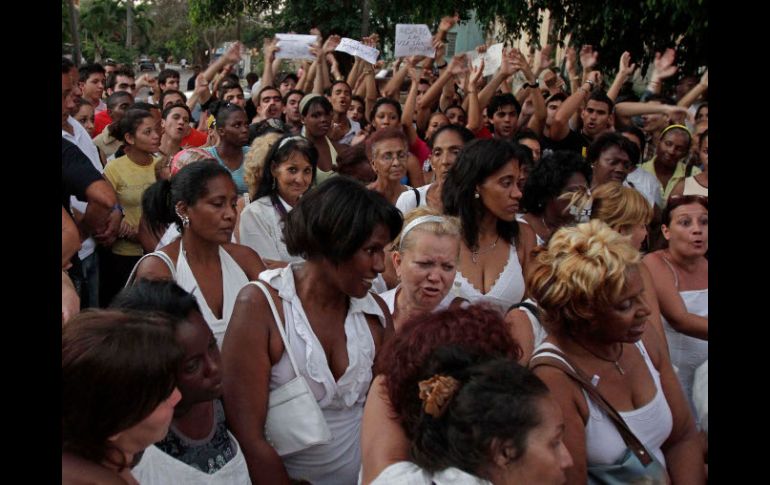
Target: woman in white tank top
(681, 283)
(481, 189)
(590, 290)
(201, 199)
(334, 328)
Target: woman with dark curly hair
(481, 189)
(452, 404)
(557, 173)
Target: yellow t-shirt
(679, 174)
(130, 181)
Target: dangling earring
(185, 219)
(275, 184)
(476, 195)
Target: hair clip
(580, 215)
(436, 392)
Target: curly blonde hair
(450, 227)
(254, 161)
(582, 270)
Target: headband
(415, 223)
(290, 138)
(306, 100)
(681, 127)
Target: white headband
(415, 223)
(290, 138)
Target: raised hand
(234, 52)
(704, 79)
(269, 48)
(448, 22)
(481, 48)
(458, 65)
(571, 61)
(588, 57)
(509, 65)
(595, 77)
(544, 58)
(331, 43)
(664, 65)
(626, 68)
(476, 77)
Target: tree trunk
(74, 21)
(129, 22)
(365, 18)
(238, 27)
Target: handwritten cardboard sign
(493, 58)
(413, 40)
(355, 48)
(295, 46)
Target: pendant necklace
(614, 361)
(475, 254)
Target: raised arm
(232, 56)
(393, 88)
(474, 109)
(695, 92)
(630, 108)
(507, 69)
(571, 105)
(625, 70)
(663, 68)
(407, 114)
(269, 48)
(570, 63)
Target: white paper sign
(295, 46)
(493, 58)
(355, 48)
(413, 40)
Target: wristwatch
(118, 207)
(441, 66)
(531, 85)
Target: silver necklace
(475, 254)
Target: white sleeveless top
(342, 401)
(233, 279)
(507, 290)
(538, 331)
(652, 423)
(687, 353)
(693, 187)
(159, 468)
(389, 297)
(407, 473)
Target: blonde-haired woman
(626, 211)
(589, 286)
(425, 257)
(254, 161)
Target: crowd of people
(427, 277)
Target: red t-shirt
(101, 121)
(420, 150)
(484, 133)
(196, 138)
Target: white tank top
(341, 401)
(652, 423)
(692, 187)
(687, 353)
(507, 289)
